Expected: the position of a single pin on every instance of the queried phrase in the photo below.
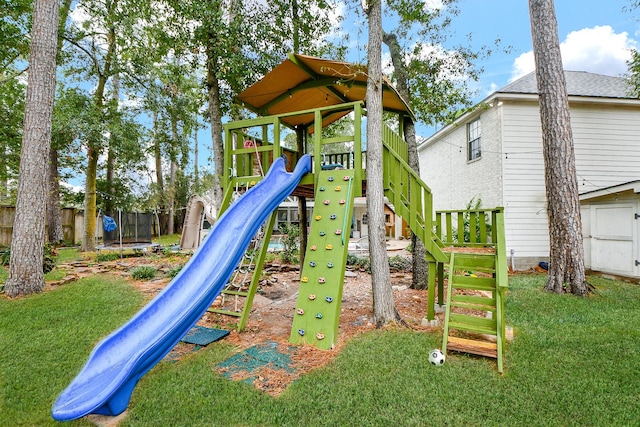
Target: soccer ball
(436, 357)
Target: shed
(610, 229)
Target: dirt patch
(273, 310)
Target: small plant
(107, 256)
(48, 257)
(173, 272)
(290, 242)
(360, 263)
(400, 263)
(144, 272)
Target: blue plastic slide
(105, 383)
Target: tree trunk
(419, 255)
(27, 247)
(93, 149)
(89, 231)
(54, 213)
(566, 254)
(383, 305)
(171, 191)
(215, 118)
(109, 202)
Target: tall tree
(566, 255)
(383, 306)
(419, 254)
(432, 79)
(54, 212)
(26, 261)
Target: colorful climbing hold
(314, 248)
(338, 188)
(346, 178)
(342, 202)
(338, 232)
(318, 217)
(305, 279)
(322, 233)
(330, 179)
(330, 264)
(312, 297)
(332, 216)
(318, 315)
(328, 299)
(321, 280)
(328, 247)
(321, 188)
(320, 336)
(301, 332)
(300, 311)
(327, 201)
(312, 263)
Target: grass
(574, 362)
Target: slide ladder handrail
(410, 196)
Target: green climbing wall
(317, 312)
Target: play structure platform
(295, 103)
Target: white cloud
(597, 50)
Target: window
(473, 138)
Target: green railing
(410, 196)
(251, 145)
(473, 228)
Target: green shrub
(48, 258)
(400, 263)
(173, 271)
(290, 241)
(361, 263)
(107, 256)
(144, 272)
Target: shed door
(614, 238)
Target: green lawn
(573, 362)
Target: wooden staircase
(474, 317)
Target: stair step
(486, 262)
(474, 302)
(482, 348)
(466, 322)
(474, 283)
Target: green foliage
(361, 263)
(144, 272)
(400, 263)
(173, 271)
(107, 256)
(40, 356)
(48, 257)
(562, 362)
(290, 243)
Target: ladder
(474, 317)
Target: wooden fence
(7, 214)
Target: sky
(595, 36)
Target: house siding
(511, 171)
(453, 180)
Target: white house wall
(511, 170)
(526, 224)
(453, 180)
(606, 141)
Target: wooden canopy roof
(305, 83)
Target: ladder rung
(227, 312)
(239, 293)
(474, 283)
(473, 323)
(482, 348)
(474, 302)
(475, 261)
